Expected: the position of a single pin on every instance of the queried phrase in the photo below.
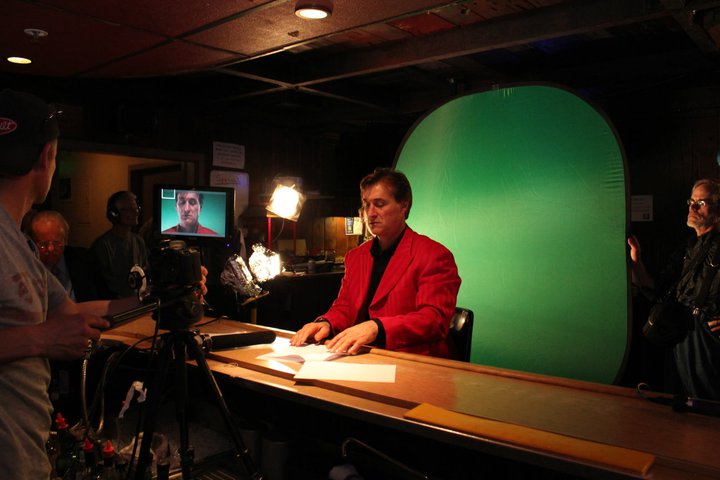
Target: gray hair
(49, 216)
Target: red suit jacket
(414, 301)
(200, 230)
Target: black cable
(277, 236)
(642, 389)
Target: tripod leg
(151, 408)
(181, 398)
(241, 451)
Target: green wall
(526, 186)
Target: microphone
(228, 341)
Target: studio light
(313, 9)
(286, 202)
(264, 264)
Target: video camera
(173, 282)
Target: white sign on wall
(641, 208)
(228, 155)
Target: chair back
(460, 334)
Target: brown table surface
(686, 445)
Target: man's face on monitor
(188, 208)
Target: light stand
(286, 202)
(252, 302)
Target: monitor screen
(203, 215)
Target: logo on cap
(7, 125)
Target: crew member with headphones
(119, 249)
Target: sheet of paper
(305, 353)
(346, 371)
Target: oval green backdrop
(526, 186)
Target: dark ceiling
(379, 60)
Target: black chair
(460, 334)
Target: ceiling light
(36, 33)
(313, 9)
(19, 60)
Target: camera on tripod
(173, 282)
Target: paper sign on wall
(229, 155)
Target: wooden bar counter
(681, 445)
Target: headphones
(112, 213)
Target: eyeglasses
(697, 204)
(46, 244)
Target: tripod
(175, 345)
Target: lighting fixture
(36, 35)
(313, 9)
(264, 263)
(19, 60)
(286, 202)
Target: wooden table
(686, 445)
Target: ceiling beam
(685, 17)
(555, 21)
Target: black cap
(27, 123)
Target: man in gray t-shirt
(37, 319)
(29, 293)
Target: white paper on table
(346, 371)
(305, 353)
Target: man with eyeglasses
(72, 266)
(697, 355)
(120, 248)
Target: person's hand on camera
(203, 280)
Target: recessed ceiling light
(313, 9)
(36, 33)
(19, 60)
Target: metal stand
(175, 347)
(252, 302)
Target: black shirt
(381, 259)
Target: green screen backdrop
(526, 186)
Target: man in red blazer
(399, 289)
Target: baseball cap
(27, 123)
